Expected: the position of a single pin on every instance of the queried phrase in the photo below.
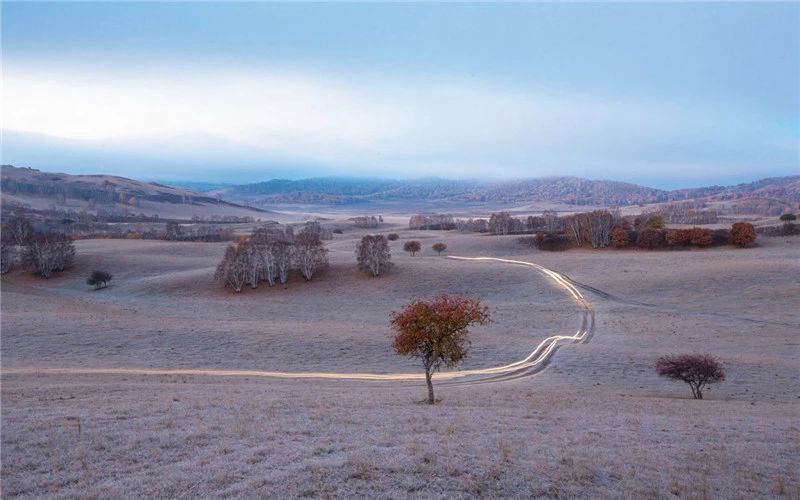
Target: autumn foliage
(436, 331)
(619, 237)
(742, 234)
(697, 370)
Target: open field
(596, 423)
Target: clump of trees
(46, 254)
(742, 234)
(269, 254)
(367, 221)
(439, 247)
(373, 254)
(412, 247)
(442, 222)
(98, 279)
(392, 236)
(788, 217)
(697, 370)
(437, 332)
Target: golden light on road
(532, 363)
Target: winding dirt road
(531, 364)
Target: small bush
(337, 231)
(679, 237)
(98, 279)
(788, 217)
(439, 247)
(392, 236)
(619, 237)
(701, 237)
(650, 239)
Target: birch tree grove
(373, 254)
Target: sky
(667, 95)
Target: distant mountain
(39, 189)
(350, 191)
(770, 196)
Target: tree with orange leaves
(437, 332)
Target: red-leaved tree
(436, 331)
(742, 234)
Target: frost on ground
(597, 423)
(172, 437)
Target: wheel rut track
(532, 364)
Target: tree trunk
(428, 381)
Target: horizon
(496, 92)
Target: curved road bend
(531, 364)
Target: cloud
(368, 124)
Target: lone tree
(437, 331)
(742, 234)
(412, 247)
(697, 370)
(439, 247)
(98, 279)
(373, 255)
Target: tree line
(42, 253)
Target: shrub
(701, 237)
(98, 279)
(392, 236)
(551, 242)
(650, 239)
(788, 217)
(720, 236)
(437, 332)
(619, 237)
(337, 231)
(679, 237)
(412, 247)
(697, 370)
(439, 247)
(742, 234)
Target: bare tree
(599, 224)
(232, 271)
(437, 332)
(552, 223)
(20, 229)
(310, 254)
(500, 223)
(282, 253)
(45, 254)
(373, 254)
(412, 247)
(697, 370)
(7, 258)
(98, 279)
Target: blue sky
(673, 94)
